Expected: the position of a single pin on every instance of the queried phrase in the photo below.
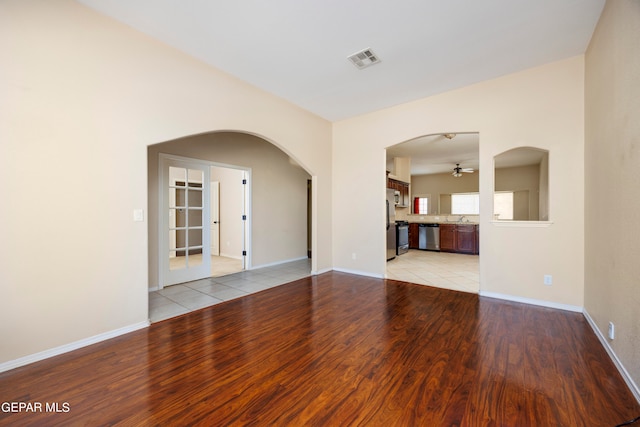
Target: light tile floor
(457, 272)
(179, 299)
(220, 265)
(444, 270)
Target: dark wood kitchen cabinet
(414, 235)
(448, 237)
(466, 239)
(459, 238)
(403, 188)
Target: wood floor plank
(337, 349)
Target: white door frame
(246, 211)
(215, 218)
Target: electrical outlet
(612, 330)
(548, 280)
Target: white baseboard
(542, 303)
(324, 270)
(612, 354)
(12, 364)
(272, 264)
(360, 273)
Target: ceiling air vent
(364, 59)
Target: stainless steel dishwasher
(429, 237)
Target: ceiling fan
(457, 171)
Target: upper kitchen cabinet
(399, 178)
(521, 190)
(403, 199)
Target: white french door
(185, 226)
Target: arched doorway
(438, 211)
(276, 206)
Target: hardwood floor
(337, 349)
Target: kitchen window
(465, 204)
(469, 204)
(421, 205)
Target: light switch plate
(138, 215)
(611, 331)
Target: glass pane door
(186, 248)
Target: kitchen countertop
(441, 219)
(441, 222)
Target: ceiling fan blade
(468, 170)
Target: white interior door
(215, 218)
(185, 235)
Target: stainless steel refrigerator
(391, 224)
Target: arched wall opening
(280, 218)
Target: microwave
(396, 197)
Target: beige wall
(82, 98)
(541, 107)
(442, 183)
(612, 90)
(278, 194)
(524, 178)
(521, 179)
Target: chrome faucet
(461, 218)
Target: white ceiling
(298, 49)
(437, 154)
